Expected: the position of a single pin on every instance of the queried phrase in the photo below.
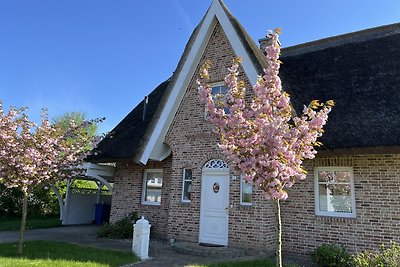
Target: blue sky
(102, 57)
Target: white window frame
(183, 184)
(214, 85)
(318, 212)
(144, 188)
(242, 181)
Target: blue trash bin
(99, 214)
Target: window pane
(342, 176)
(335, 198)
(224, 89)
(188, 174)
(325, 176)
(247, 192)
(215, 90)
(219, 95)
(153, 187)
(187, 190)
(334, 176)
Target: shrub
(386, 257)
(120, 229)
(41, 202)
(331, 256)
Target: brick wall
(193, 143)
(377, 185)
(127, 195)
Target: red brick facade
(191, 139)
(377, 184)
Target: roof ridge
(342, 39)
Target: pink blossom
(261, 138)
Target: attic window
(219, 91)
(334, 192)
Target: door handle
(229, 207)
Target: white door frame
(219, 171)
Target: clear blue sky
(102, 57)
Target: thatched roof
(361, 73)
(125, 139)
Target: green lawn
(13, 224)
(50, 253)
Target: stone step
(195, 249)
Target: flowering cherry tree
(262, 138)
(32, 154)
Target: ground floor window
(246, 192)
(334, 192)
(152, 186)
(187, 185)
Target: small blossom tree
(261, 138)
(32, 154)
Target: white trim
(102, 181)
(214, 14)
(183, 184)
(241, 194)
(318, 212)
(144, 187)
(96, 169)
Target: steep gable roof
(361, 72)
(147, 142)
(252, 63)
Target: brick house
(170, 170)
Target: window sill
(151, 203)
(185, 203)
(334, 219)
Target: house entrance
(214, 206)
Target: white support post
(141, 238)
(66, 202)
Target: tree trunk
(23, 222)
(278, 248)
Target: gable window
(152, 185)
(334, 192)
(187, 185)
(246, 192)
(218, 92)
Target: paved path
(160, 251)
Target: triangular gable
(155, 149)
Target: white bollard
(141, 237)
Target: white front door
(214, 207)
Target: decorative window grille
(216, 164)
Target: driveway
(160, 251)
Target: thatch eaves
(361, 73)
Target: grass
(51, 253)
(13, 224)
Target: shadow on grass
(45, 253)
